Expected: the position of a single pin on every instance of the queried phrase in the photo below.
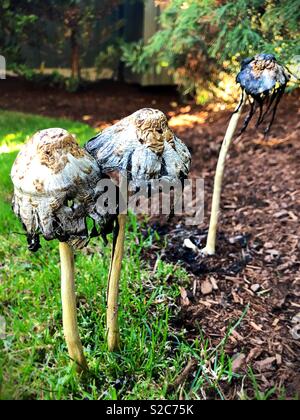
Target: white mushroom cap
(144, 146)
(55, 188)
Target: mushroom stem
(69, 307)
(210, 248)
(113, 333)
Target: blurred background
(193, 44)
(82, 66)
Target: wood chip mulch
(258, 257)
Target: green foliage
(72, 84)
(133, 55)
(54, 79)
(247, 27)
(75, 21)
(199, 39)
(13, 29)
(110, 58)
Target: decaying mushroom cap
(142, 145)
(55, 188)
(264, 80)
(261, 74)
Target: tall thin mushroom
(54, 192)
(263, 81)
(144, 148)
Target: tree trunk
(75, 55)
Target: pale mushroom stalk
(210, 248)
(55, 191)
(263, 82)
(144, 147)
(112, 316)
(113, 333)
(68, 298)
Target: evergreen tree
(74, 21)
(200, 38)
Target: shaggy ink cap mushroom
(260, 74)
(264, 80)
(141, 148)
(144, 147)
(55, 189)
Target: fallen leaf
(214, 283)
(86, 117)
(269, 245)
(254, 353)
(280, 214)
(255, 326)
(206, 287)
(238, 362)
(255, 287)
(264, 365)
(184, 297)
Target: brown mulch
(258, 258)
(97, 104)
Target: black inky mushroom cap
(264, 80)
(55, 189)
(143, 146)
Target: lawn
(33, 358)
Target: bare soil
(258, 256)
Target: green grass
(34, 362)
